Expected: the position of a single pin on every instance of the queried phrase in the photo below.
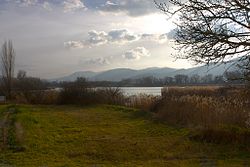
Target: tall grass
(217, 112)
(142, 101)
(206, 107)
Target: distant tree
(127, 82)
(168, 80)
(219, 79)
(212, 31)
(21, 74)
(181, 79)
(75, 92)
(28, 85)
(29, 89)
(233, 76)
(195, 79)
(146, 81)
(81, 83)
(7, 64)
(207, 79)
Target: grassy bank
(103, 136)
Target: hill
(126, 73)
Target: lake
(129, 91)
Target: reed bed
(214, 114)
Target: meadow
(104, 135)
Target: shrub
(47, 97)
(85, 95)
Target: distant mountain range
(126, 73)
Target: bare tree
(21, 74)
(8, 64)
(212, 31)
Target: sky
(54, 38)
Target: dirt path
(10, 130)
(4, 125)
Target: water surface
(129, 91)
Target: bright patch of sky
(54, 38)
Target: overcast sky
(54, 38)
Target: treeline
(30, 90)
(227, 78)
(177, 80)
(24, 84)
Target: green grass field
(96, 136)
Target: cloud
(119, 36)
(72, 5)
(160, 38)
(97, 61)
(130, 7)
(74, 44)
(65, 5)
(136, 54)
(96, 38)
(27, 2)
(46, 5)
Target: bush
(46, 97)
(84, 95)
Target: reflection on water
(129, 91)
